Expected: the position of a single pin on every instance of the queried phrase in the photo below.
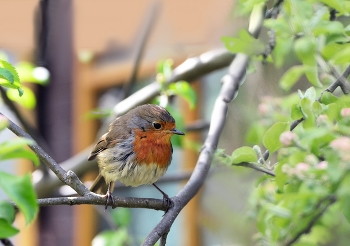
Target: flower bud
(345, 112)
(322, 165)
(287, 138)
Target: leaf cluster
(18, 188)
(310, 191)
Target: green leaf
(328, 98)
(310, 94)
(341, 57)
(28, 99)
(305, 48)
(111, 238)
(7, 75)
(247, 6)
(245, 43)
(121, 216)
(281, 177)
(30, 73)
(296, 112)
(7, 217)
(14, 145)
(8, 66)
(271, 138)
(283, 50)
(184, 90)
(98, 113)
(165, 68)
(328, 27)
(6, 229)
(7, 212)
(255, 134)
(292, 76)
(344, 206)
(317, 108)
(21, 154)
(335, 4)
(12, 81)
(244, 154)
(330, 49)
(21, 191)
(279, 211)
(312, 75)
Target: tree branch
(141, 43)
(6, 242)
(229, 90)
(68, 178)
(129, 202)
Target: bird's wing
(101, 145)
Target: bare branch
(189, 70)
(272, 13)
(6, 242)
(129, 202)
(229, 90)
(68, 178)
(142, 41)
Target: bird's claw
(167, 202)
(109, 200)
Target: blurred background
(90, 49)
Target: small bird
(136, 150)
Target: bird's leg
(109, 196)
(166, 199)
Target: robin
(136, 150)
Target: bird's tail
(100, 186)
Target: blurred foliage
(121, 218)
(304, 29)
(307, 201)
(18, 188)
(311, 191)
(10, 79)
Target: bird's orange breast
(152, 147)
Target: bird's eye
(156, 125)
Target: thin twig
(140, 46)
(272, 13)
(256, 167)
(6, 242)
(331, 200)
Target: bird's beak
(177, 132)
